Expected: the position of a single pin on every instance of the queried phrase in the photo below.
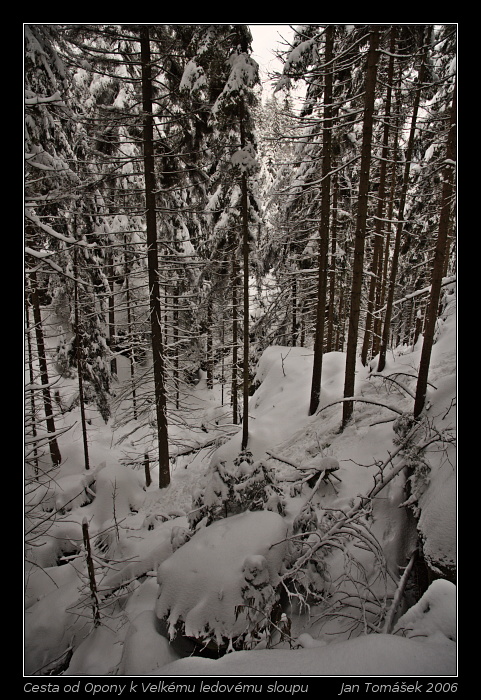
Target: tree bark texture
(438, 264)
(360, 236)
(79, 358)
(324, 225)
(245, 256)
(42, 363)
(153, 260)
(378, 236)
(400, 225)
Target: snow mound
(72, 491)
(118, 492)
(144, 649)
(201, 583)
(433, 615)
(367, 655)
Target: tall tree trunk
(153, 261)
(32, 381)
(332, 267)
(235, 337)
(340, 324)
(80, 363)
(245, 257)
(42, 363)
(362, 209)
(222, 376)
(111, 279)
(378, 238)
(91, 573)
(294, 312)
(209, 347)
(130, 333)
(324, 225)
(438, 264)
(400, 225)
(175, 320)
(384, 258)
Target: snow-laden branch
(426, 290)
(394, 381)
(44, 256)
(357, 509)
(48, 229)
(34, 99)
(356, 398)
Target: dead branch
(388, 625)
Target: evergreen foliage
(177, 225)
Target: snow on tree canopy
(305, 48)
(245, 158)
(243, 75)
(201, 583)
(193, 77)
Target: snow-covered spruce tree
(425, 64)
(260, 600)
(114, 55)
(233, 167)
(57, 185)
(361, 222)
(324, 227)
(278, 318)
(439, 261)
(153, 258)
(49, 178)
(235, 488)
(70, 214)
(401, 208)
(376, 264)
(106, 67)
(296, 197)
(87, 350)
(398, 73)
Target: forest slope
(136, 528)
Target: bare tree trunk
(340, 324)
(130, 333)
(294, 312)
(32, 380)
(332, 267)
(209, 346)
(222, 378)
(400, 225)
(91, 574)
(378, 238)
(438, 264)
(384, 259)
(175, 320)
(153, 261)
(235, 331)
(362, 209)
(79, 358)
(324, 226)
(42, 363)
(245, 256)
(148, 478)
(111, 278)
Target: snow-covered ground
(154, 575)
